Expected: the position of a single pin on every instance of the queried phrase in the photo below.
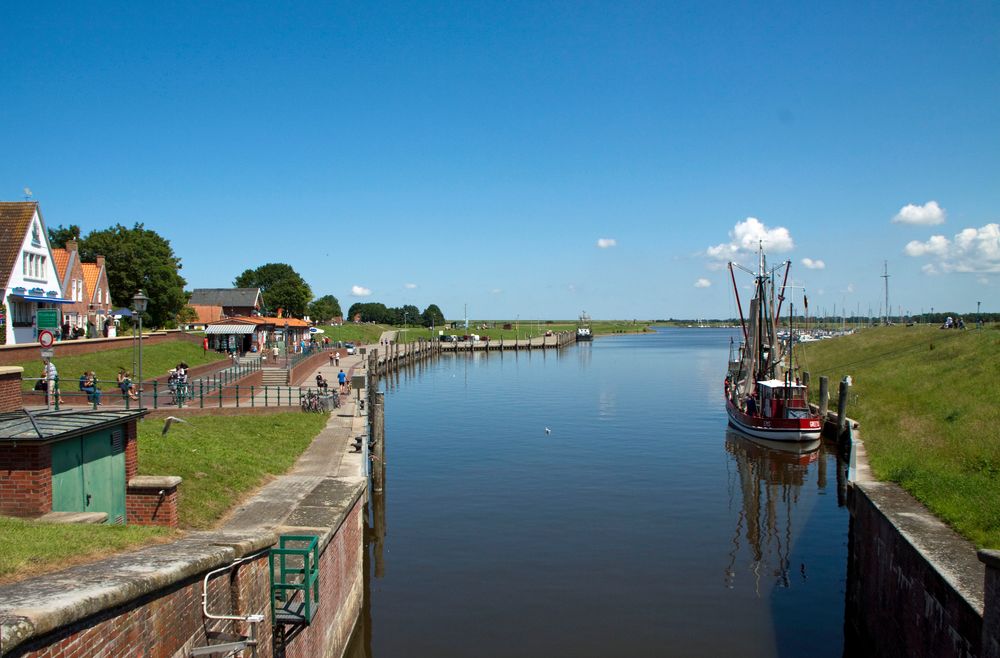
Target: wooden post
(842, 408)
(378, 439)
(824, 396)
(805, 378)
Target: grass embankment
(221, 458)
(526, 329)
(356, 333)
(927, 403)
(156, 360)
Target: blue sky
(476, 152)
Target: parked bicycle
(310, 402)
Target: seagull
(548, 431)
(170, 421)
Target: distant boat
(583, 331)
(763, 397)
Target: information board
(47, 318)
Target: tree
(281, 286)
(187, 315)
(432, 316)
(59, 235)
(409, 314)
(324, 309)
(137, 258)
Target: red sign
(45, 338)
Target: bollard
(251, 396)
(842, 407)
(805, 378)
(237, 396)
(824, 396)
(265, 396)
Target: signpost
(47, 318)
(46, 339)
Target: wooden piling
(842, 409)
(824, 396)
(377, 402)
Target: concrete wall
(915, 588)
(148, 602)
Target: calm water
(639, 526)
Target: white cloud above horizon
(971, 250)
(811, 264)
(929, 214)
(605, 243)
(410, 286)
(746, 236)
(702, 283)
(360, 291)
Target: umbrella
(122, 313)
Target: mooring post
(805, 378)
(842, 407)
(378, 439)
(824, 396)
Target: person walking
(342, 379)
(51, 381)
(336, 359)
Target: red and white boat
(764, 398)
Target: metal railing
(218, 392)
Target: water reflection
(768, 481)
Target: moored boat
(583, 332)
(764, 398)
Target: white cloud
(702, 283)
(360, 291)
(971, 250)
(409, 286)
(813, 264)
(747, 235)
(849, 289)
(983, 280)
(928, 214)
(604, 243)
(497, 291)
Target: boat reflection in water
(768, 486)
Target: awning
(229, 329)
(43, 299)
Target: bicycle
(310, 402)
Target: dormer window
(36, 239)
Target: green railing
(295, 583)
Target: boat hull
(584, 337)
(774, 429)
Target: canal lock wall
(914, 587)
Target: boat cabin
(777, 399)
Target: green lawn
(156, 361)
(927, 403)
(28, 548)
(223, 458)
(357, 333)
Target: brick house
(27, 271)
(70, 271)
(99, 320)
(234, 302)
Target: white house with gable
(26, 261)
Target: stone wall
(914, 587)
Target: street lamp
(140, 301)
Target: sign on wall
(47, 318)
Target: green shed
(86, 450)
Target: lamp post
(140, 301)
(287, 343)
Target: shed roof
(45, 426)
(15, 218)
(225, 297)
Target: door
(88, 475)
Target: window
(21, 314)
(98, 295)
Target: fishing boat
(583, 332)
(764, 398)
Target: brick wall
(991, 604)
(10, 388)
(145, 506)
(898, 601)
(169, 622)
(25, 480)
